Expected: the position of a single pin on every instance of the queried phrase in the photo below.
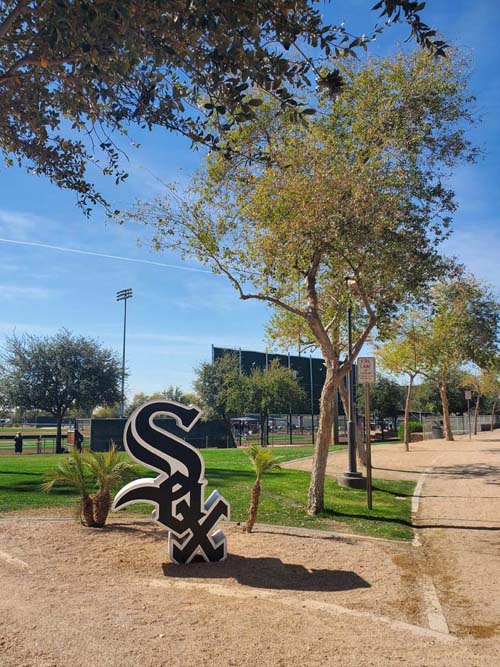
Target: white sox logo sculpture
(178, 491)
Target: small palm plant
(103, 471)
(263, 461)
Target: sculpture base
(352, 480)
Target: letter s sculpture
(178, 491)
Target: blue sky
(176, 314)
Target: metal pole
(468, 417)
(352, 478)
(122, 406)
(290, 406)
(312, 397)
(335, 433)
(123, 295)
(351, 432)
(368, 448)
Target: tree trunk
(360, 442)
(476, 413)
(493, 412)
(263, 430)
(316, 496)
(446, 412)
(406, 436)
(102, 503)
(254, 506)
(59, 449)
(229, 431)
(86, 511)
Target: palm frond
(109, 468)
(70, 471)
(263, 460)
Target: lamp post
(123, 295)
(352, 478)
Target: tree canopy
(74, 75)
(273, 389)
(350, 210)
(403, 352)
(56, 373)
(464, 327)
(219, 387)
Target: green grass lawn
(282, 502)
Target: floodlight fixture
(124, 294)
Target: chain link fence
(433, 426)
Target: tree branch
(260, 297)
(9, 20)
(31, 59)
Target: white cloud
(19, 224)
(16, 292)
(8, 328)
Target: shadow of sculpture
(270, 573)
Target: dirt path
(459, 518)
(458, 522)
(106, 598)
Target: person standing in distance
(18, 443)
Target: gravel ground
(76, 596)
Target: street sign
(468, 395)
(366, 370)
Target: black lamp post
(352, 478)
(123, 295)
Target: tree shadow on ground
(19, 472)
(399, 494)
(490, 473)
(270, 573)
(481, 470)
(448, 526)
(315, 535)
(331, 514)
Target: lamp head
(124, 294)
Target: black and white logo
(179, 490)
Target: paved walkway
(458, 520)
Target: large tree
(484, 385)
(56, 373)
(402, 354)
(220, 389)
(464, 328)
(427, 399)
(75, 74)
(272, 390)
(386, 400)
(350, 210)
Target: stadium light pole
(123, 295)
(352, 478)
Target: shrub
(413, 427)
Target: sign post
(468, 396)
(367, 376)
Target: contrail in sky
(106, 256)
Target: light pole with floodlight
(123, 295)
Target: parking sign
(366, 370)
